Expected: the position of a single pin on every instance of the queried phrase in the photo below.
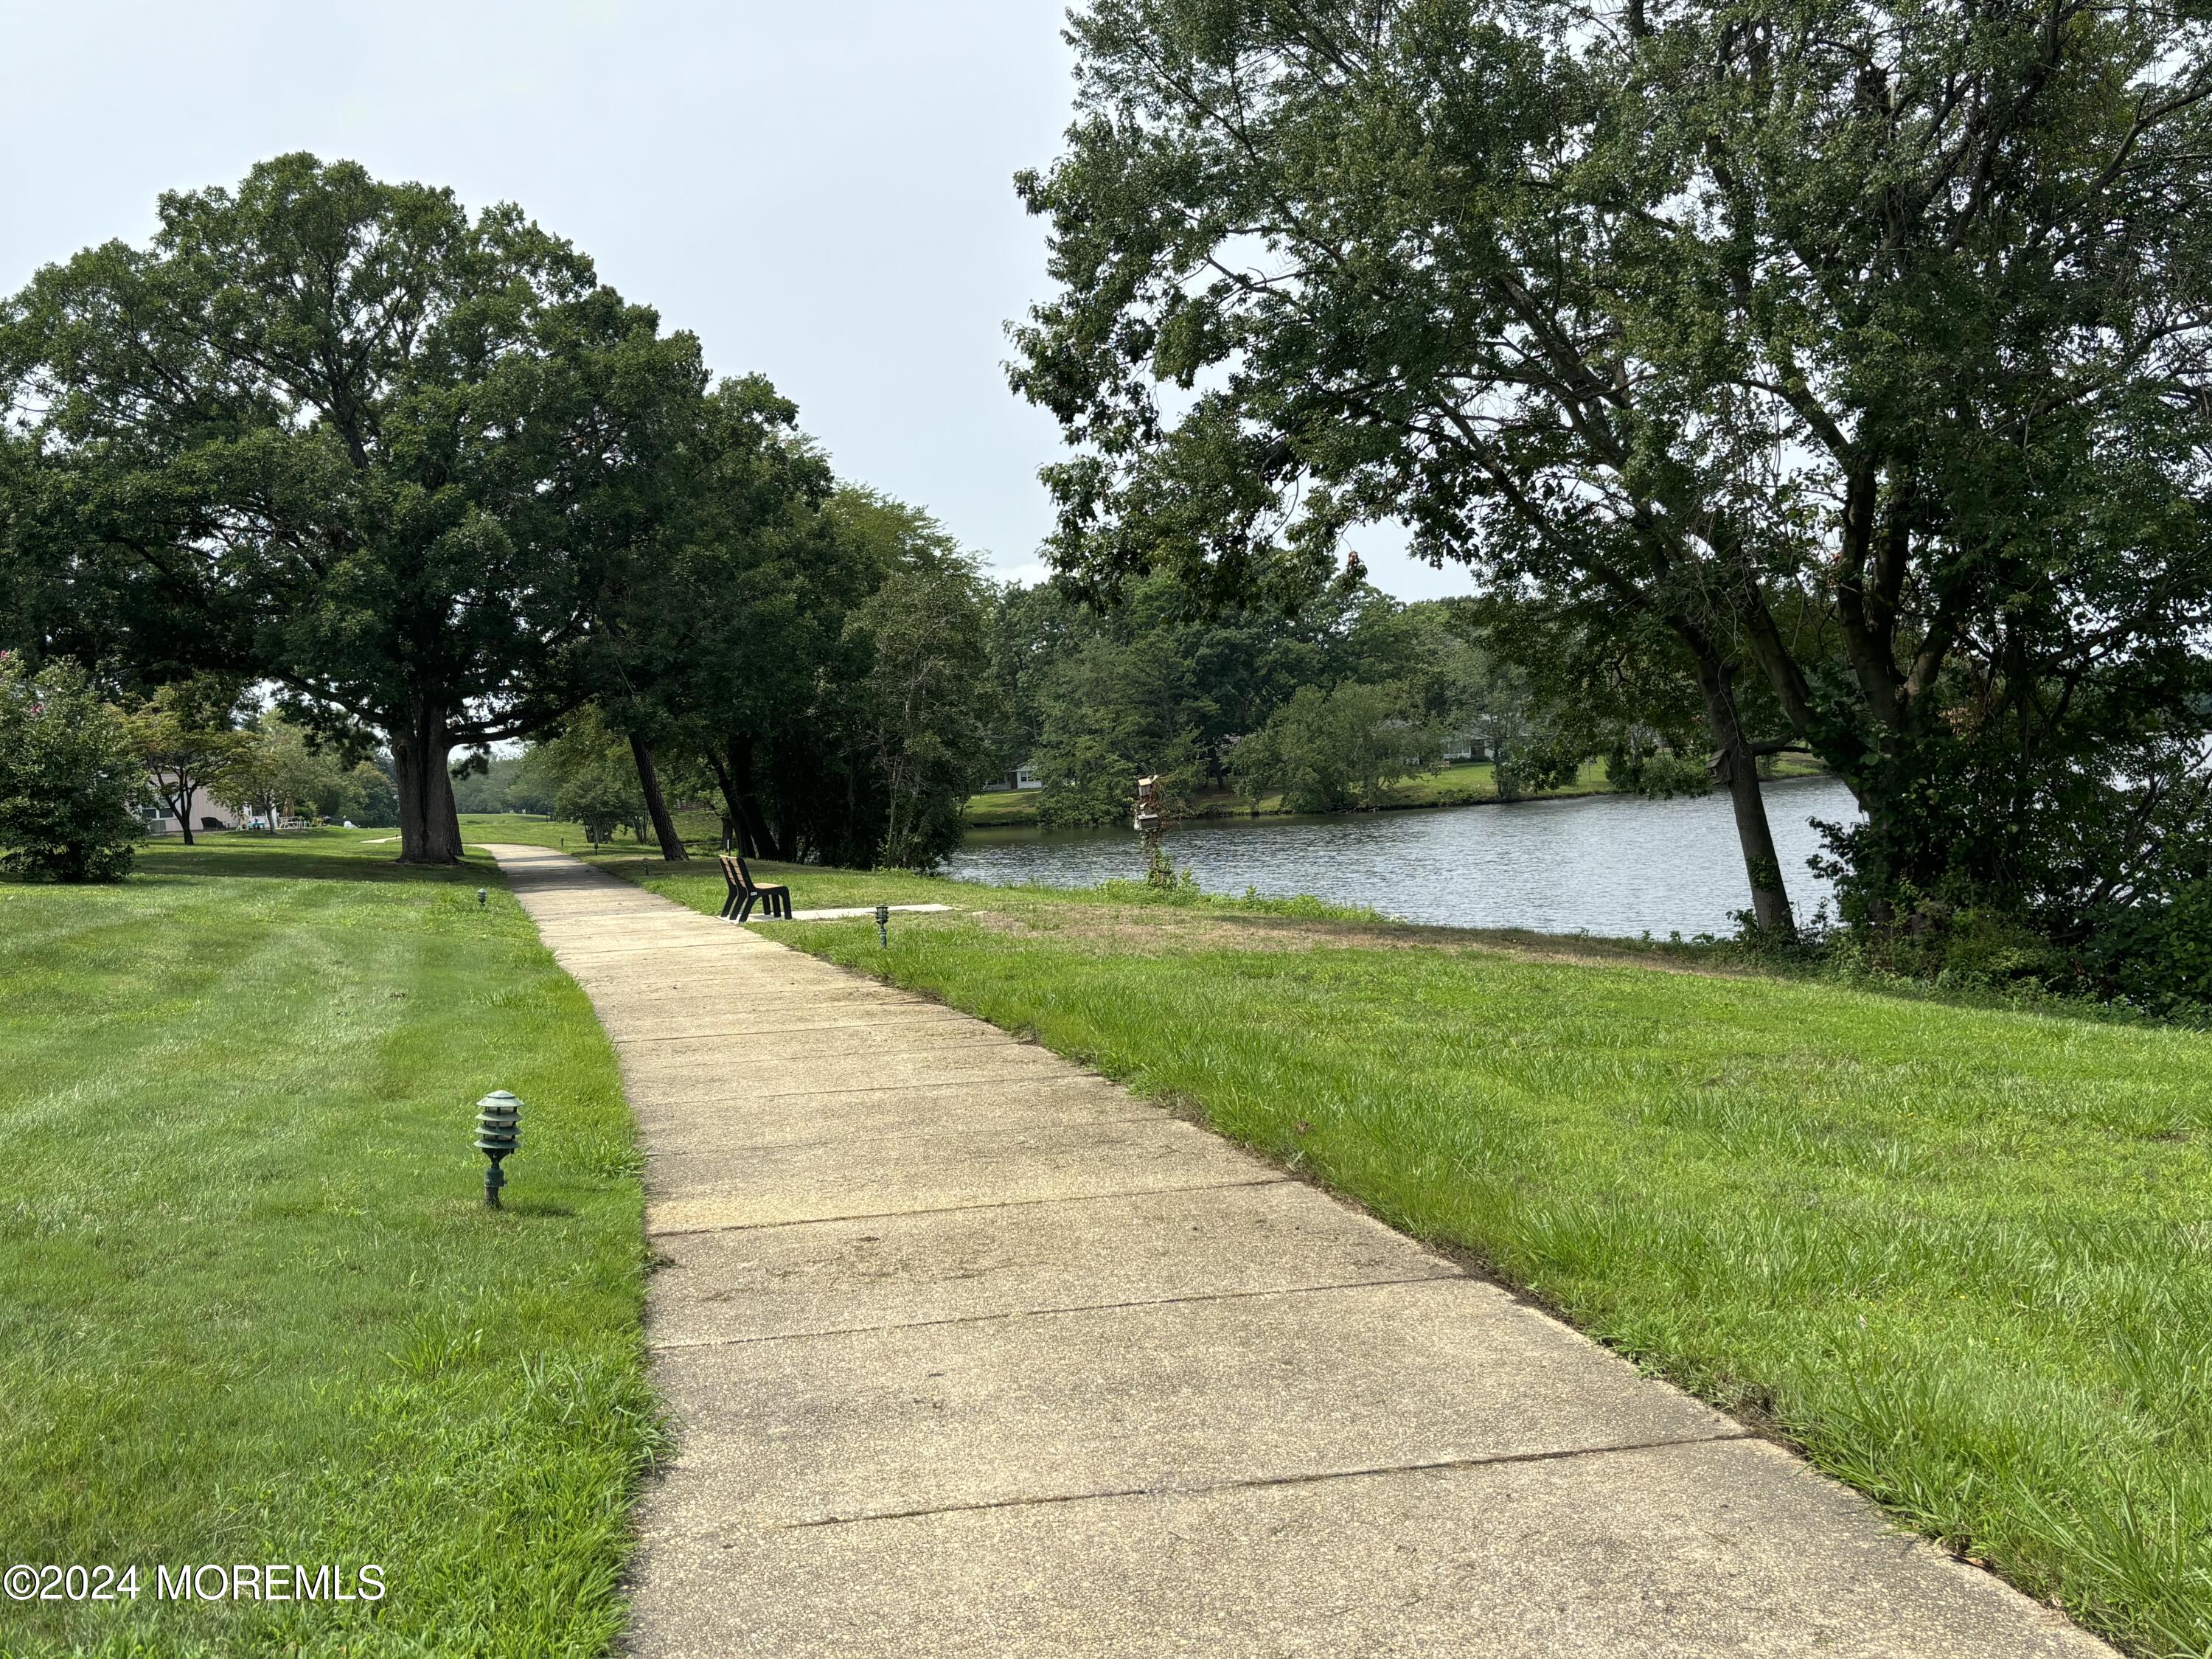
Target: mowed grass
(255, 1310)
(1961, 1256)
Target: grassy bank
(1469, 784)
(1961, 1255)
(256, 1309)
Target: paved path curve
(970, 1352)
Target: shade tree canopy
(347, 436)
(1849, 353)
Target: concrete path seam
(877, 1088)
(964, 1209)
(1048, 1313)
(1256, 1483)
(919, 1132)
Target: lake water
(1599, 864)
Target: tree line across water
(1326, 708)
(1833, 381)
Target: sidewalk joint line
(892, 1088)
(1011, 1315)
(1261, 1482)
(877, 1136)
(956, 1209)
(793, 1030)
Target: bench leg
(745, 909)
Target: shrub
(70, 781)
(2160, 956)
(1330, 750)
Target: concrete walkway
(971, 1353)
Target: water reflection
(1603, 864)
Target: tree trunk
(430, 824)
(733, 773)
(649, 779)
(733, 823)
(1735, 767)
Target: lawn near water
(255, 1310)
(1962, 1256)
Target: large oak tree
(343, 435)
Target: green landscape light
(499, 1132)
(883, 925)
(480, 898)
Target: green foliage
(814, 653)
(870, 755)
(186, 734)
(1640, 766)
(1034, 631)
(511, 783)
(371, 801)
(1149, 686)
(71, 779)
(593, 776)
(1113, 713)
(2160, 956)
(1335, 751)
(1689, 333)
(925, 704)
(275, 769)
(345, 436)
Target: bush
(70, 782)
(2161, 957)
(1328, 751)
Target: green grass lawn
(255, 1309)
(1962, 1256)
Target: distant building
(206, 814)
(1025, 777)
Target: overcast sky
(820, 191)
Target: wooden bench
(745, 892)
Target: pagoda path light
(499, 1132)
(883, 925)
(480, 898)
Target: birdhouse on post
(1148, 817)
(1151, 822)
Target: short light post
(883, 925)
(481, 896)
(499, 1132)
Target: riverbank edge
(1004, 812)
